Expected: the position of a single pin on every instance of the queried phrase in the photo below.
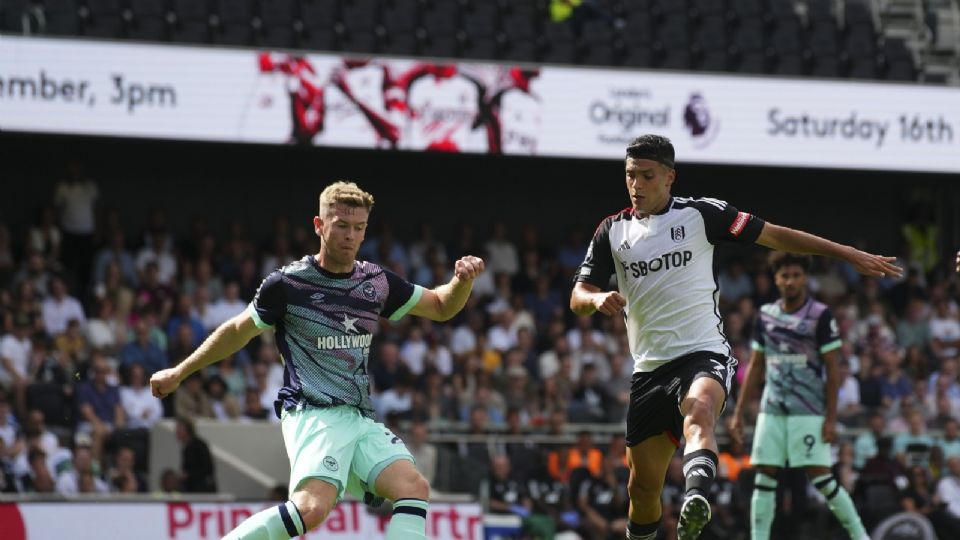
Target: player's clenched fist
(164, 382)
(468, 267)
(609, 303)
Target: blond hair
(346, 193)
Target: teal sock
(763, 505)
(280, 522)
(840, 503)
(409, 520)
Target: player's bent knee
(700, 417)
(313, 509)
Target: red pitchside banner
(209, 521)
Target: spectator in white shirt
(414, 350)
(142, 409)
(225, 308)
(948, 489)
(75, 196)
(80, 479)
(944, 331)
(158, 252)
(501, 252)
(59, 308)
(15, 353)
(501, 335)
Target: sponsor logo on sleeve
(738, 224)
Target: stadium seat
(441, 19)
(746, 8)
(820, 10)
(781, 8)
(359, 15)
(11, 15)
(560, 43)
(898, 61)
(822, 39)
(754, 63)
(749, 36)
(671, 8)
(400, 44)
(232, 22)
(863, 68)
(400, 17)
(520, 25)
(319, 13)
(597, 54)
(319, 39)
(674, 32)
(826, 66)
(785, 37)
(637, 29)
(62, 17)
(596, 31)
(638, 57)
(861, 41)
(481, 19)
(712, 34)
(790, 65)
(191, 21)
(148, 20)
(676, 59)
(858, 12)
(714, 60)
(440, 45)
(276, 13)
(359, 40)
(711, 8)
(481, 47)
(106, 19)
(523, 50)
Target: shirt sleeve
(724, 223)
(828, 333)
(597, 266)
(758, 343)
(270, 303)
(401, 296)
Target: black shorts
(655, 396)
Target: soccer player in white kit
(661, 250)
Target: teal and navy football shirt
(325, 323)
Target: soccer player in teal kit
(324, 309)
(796, 343)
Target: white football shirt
(664, 269)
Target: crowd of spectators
(90, 307)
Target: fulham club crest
(677, 233)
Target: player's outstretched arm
(792, 240)
(442, 303)
(227, 339)
(587, 299)
(756, 371)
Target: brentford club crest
(677, 233)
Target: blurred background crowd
(516, 400)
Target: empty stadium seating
(862, 39)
